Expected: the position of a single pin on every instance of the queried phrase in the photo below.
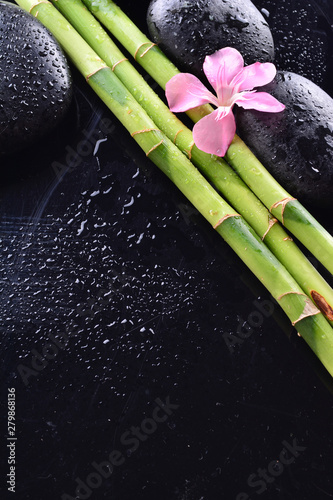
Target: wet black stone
(35, 86)
(296, 145)
(187, 31)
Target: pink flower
(233, 84)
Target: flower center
(226, 96)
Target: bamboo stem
(294, 216)
(311, 324)
(215, 169)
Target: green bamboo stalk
(214, 168)
(310, 323)
(280, 203)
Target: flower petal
(227, 58)
(214, 135)
(185, 91)
(261, 101)
(254, 75)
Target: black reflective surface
(117, 304)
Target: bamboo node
(175, 138)
(35, 5)
(145, 52)
(144, 130)
(96, 71)
(154, 147)
(309, 308)
(271, 223)
(283, 204)
(291, 293)
(219, 222)
(322, 304)
(118, 62)
(189, 151)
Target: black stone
(35, 85)
(295, 145)
(187, 31)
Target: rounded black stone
(35, 85)
(295, 145)
(188, 31)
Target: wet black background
(108, 251)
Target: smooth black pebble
(35, 85)
(187, 31)
(295, 145)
